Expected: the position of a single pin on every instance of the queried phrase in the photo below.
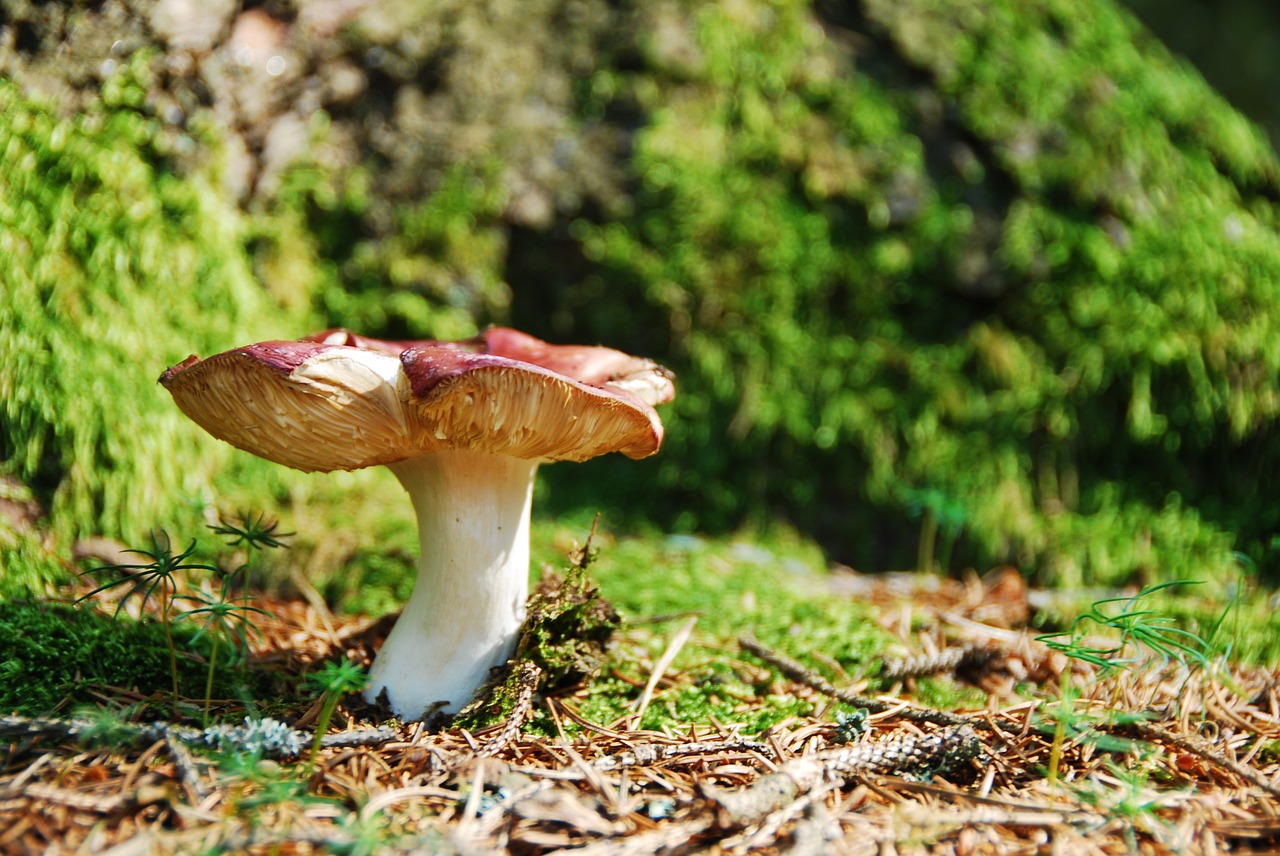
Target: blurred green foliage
(942, 281)
(432, 276)
(1005, 255)
(1232, 41)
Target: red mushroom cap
(336, 400)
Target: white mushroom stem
(473, 580)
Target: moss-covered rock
(114, 268)
(1005, 266)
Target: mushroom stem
(473, 579)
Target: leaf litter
(1160, 755)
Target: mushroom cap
(336, 400)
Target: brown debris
(1198, 775)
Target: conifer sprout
(463, 426)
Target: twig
(660, 668)
(185, 762)
(919, 815)
(913, 756)
(766, 831)
(358, 737)
(947, 660)
(1149, 731)
(644, 754)
(809, 678)
(240, 737)
(662, 840)
(99, 804)
(527, 676)
(582, 558)
(815, 834)
(41, 726)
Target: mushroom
(463, 426)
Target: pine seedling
(225, 617)
(253, 530)
(333, 680)
(150, 578)
(1068, 723)
(1145, 628)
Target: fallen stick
(941, 751)
(529, 674)
(269, 736)
(802, 675)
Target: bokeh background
(1234, 43)
(946, 284)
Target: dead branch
(809, 678)
(947, 749)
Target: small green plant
(224, 614)
(252, 531)
(109, 727)
(1131, 800)
(1145, 628)
(1141, 632)
(150, 578)
(253, 781)
(225, 619)
(333, 680)
(1068, 722)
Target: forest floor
(1068, 744)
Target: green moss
(568, 628)
(55, 654)
(432, 277)
(114, 269)
(943, 694)
(772, 587)
(694, 704)
(27, 566)
(768, 588)
(1007, 255)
